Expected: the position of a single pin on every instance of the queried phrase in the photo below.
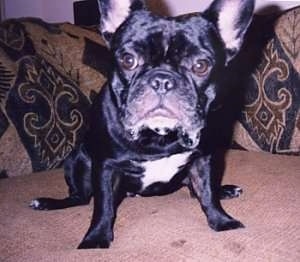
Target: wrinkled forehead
(144, 26)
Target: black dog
(147, 122)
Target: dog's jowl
(147, 122)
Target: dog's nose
(162, 82)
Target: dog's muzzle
(160, 102)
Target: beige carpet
(171, 228)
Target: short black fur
(152, 115)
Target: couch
(49, 75)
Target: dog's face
(165, 71)
(167, 68)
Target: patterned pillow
(49, 74)
(270, 120)
(48, 110)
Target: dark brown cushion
(270, 120)
(49, 74)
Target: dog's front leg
(201, 182)
(107, 197)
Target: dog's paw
(44, 203)
(225, 224)
(39, 204)
(95, 241)
(230, 191)
(88, 244)
(97, 238)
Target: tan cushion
(169, 228)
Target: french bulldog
(147, 122)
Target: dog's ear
(114, 12)
(232, 19)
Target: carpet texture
(169, 228)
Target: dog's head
(166, 68)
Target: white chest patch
(162, 170)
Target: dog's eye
(200, 67)
(128, 61)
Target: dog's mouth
(161, 121)
(165, 122)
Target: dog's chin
(162, 126)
